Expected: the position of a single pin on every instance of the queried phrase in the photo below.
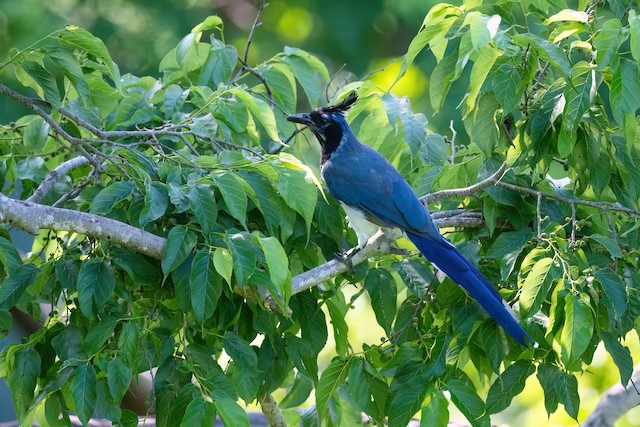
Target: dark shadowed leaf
(83, 392)
(180, 243)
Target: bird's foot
(345, 257)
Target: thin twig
(466, 191)
(539, 214)
(326, 89)
(598, 205)
(52, 177)
(453, 142)
(573, 222)
(256, 24)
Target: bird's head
(327, 123)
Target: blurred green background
(362, 35)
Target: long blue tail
(447, 258)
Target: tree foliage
(203, 157)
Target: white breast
(364, 228)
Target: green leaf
(283, 84)
(43, 82)
(330, 380)
(79, 38)
(205, 285)
(203, 205)
(615, 289)
(436, 412)
(306, 69)
(577, 329)
(223, 263)
(535, 287)
(22, 378)
(277, 263)
(634, 30)
(546, 50)
(211, 22)
(104, 202)
(231, 413)
(568, 15)
(508, 385)
(569, 396)
(128, 341)
(467, 401)
(6, 320)
(200, 413)
(610, 244)
(219, 64)
(9, 256)
(407, 389)
(95, 285)
(179, 405)
(481, 124)
(180, 243)
(137, 266)
(83, 392)
(174, 98)
(36, 134)
(484, 62)
(620, 354)
(607, 42)
(68, 64)
(625, 90)
(381, 287)
(156, 201)
(234, 195)
(509, 242)
(415, 275)
(98, 335)
(298, 393)
(239, 350)
(261, 111)
(243, 254)
(245, 379)
(434, 27)
(577, 101)
(119, 376)
(506, 86)
(441, 79)
(297, 192)
(12, 288)
(338, 307)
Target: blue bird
(375, 195)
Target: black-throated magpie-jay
(375, 195)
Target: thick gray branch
(271, 411)
(32, 217)
(617, 401)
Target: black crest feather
(342, 106)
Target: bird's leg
(345, 256)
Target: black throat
(330, 141)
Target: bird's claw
(345, 257)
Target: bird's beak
(303, 119)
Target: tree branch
(53, 176)
(466, 191)
(32, 217)
(379, 244)
(271, 410)
(617, 401)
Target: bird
(374, 195)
